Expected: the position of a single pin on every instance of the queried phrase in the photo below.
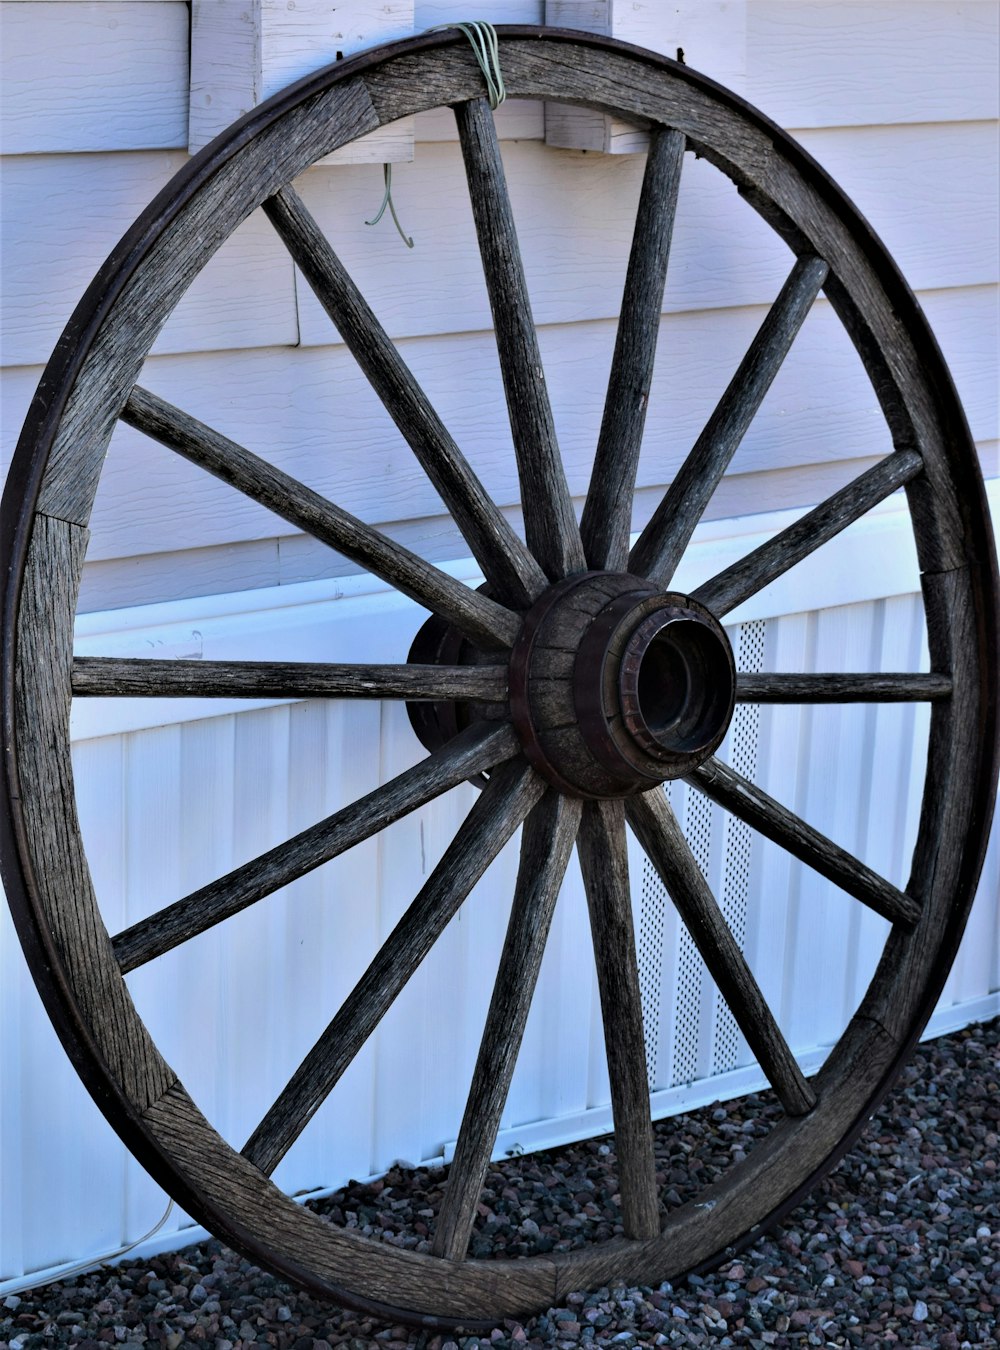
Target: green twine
(388, 202)
(486, 49)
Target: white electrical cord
(67, 1272)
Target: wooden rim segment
(91, 383)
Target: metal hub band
(614, 686)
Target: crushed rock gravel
(899, 1246)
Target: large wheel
(570, 688)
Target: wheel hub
(614, 686)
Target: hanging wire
(482, 37)
(388, 202)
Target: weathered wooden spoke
(117, 677)
(659, 548)
(550, 524)
(833, 687)
(656, 828)
(752, 573)
(545, 849)
(479, 748)
(512, 791)
(612, 684)
(607, 513)
(753, 806)
(483, 621)
(512, 571)
(603, 857)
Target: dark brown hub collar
(614, 686)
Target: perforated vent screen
(684, 1040)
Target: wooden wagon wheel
(577, 683)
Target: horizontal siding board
(168, 524)
(430, 13)
(245, 297)
(294, 558)
(966, 324)
(931, 192)
(851, 62)
(575, 217)
(312, 411)
(93, 77)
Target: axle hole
(682, 687)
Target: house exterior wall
(898, 100)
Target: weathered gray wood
(546, 845)
(760, 811)
(604, 859)
(737, 583)
(105, 676)
(478, 748)
(607, 512)
(549, 521)
(883, 687)
(512, 791)
(662, 543)
(658, 832)
(483, 621)
(242, 1200)
(512, 572)
(724, 1212)
(941, 866)
(72, 941)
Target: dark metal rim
(28, 464)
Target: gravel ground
(900, 1246)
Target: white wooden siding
(242, 54)
(43, 199)
(575, 212)
(823, 63)
(316, 414)
(95, 76)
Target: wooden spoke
(659, 548)
(549, 521)
(510, 794)
(483, 621)
(738, 795)
(607, 514)
(885, 687)
(602, 848)
(508, 566)
(656, 828)
(545, 849)
(479, 747)
(106, 676)
(731, 587)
